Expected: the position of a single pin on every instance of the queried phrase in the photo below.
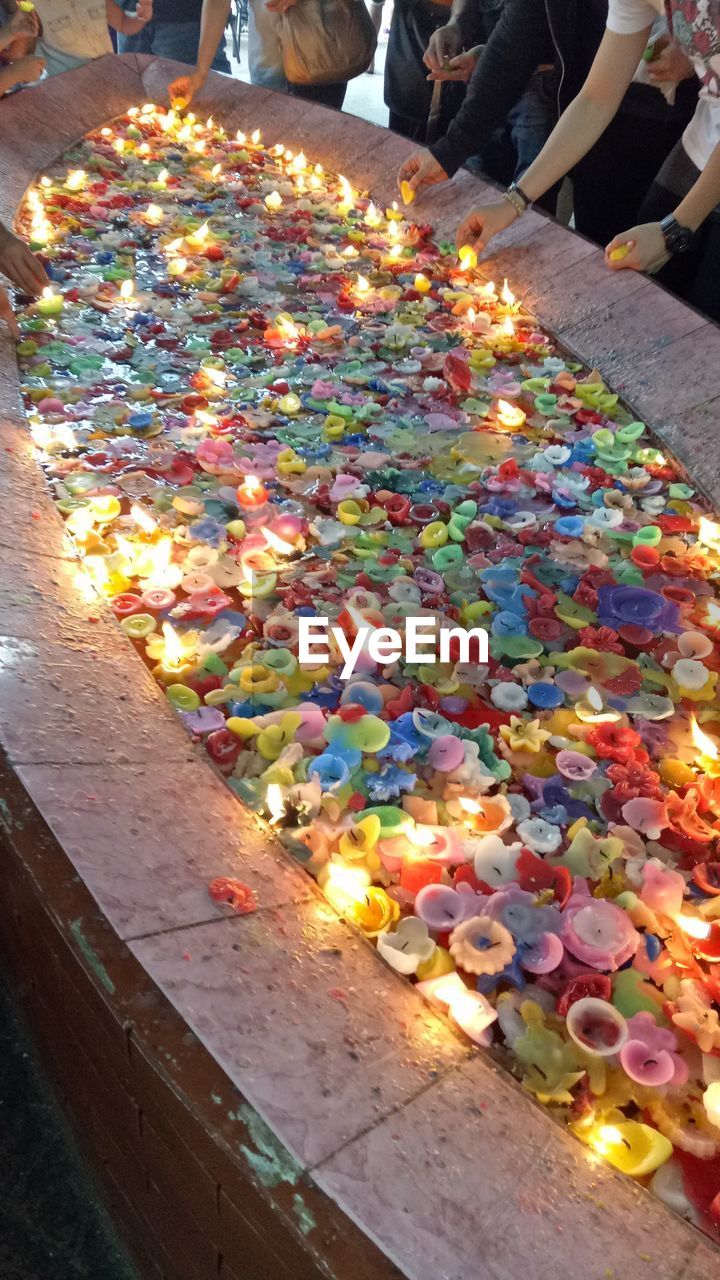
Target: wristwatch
(678, 239)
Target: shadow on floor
(51, 1225)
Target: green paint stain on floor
(91, 956)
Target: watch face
(678, 239)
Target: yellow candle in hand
(622, 251)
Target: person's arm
(520, 41)
(19, 263)
(643, 248)
(21, 266)
(22, 71)
(215, 14)
(577, 130)
(117, 17)
(458, 31)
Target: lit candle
(709, 759)
(252, 493)
(75, 180)
(176, 653)
(632, 1147)
(467, 257)
(510, 416)
(49, 303)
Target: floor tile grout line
(442, 1075)
(229, 918)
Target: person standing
(182, 30)
(74, 31)
(677, 236)
(610, 183)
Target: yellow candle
(632, 1147)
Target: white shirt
(74, 31)
(699, 36)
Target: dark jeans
(328, 95)
(176, 40)
(694, 276)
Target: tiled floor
(51, 1226)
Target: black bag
(326, 41)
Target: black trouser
(612, 180)
(328, 95)
(694, 276)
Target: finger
(621, 253)
(8, 315)
(27, 273)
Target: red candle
(416, 872)
(252, 493)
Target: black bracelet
(514, 186)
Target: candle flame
(362, 285)
(469, 805)
(275, 802)
(173, 645)
(143, 518)
(75, 179)
(709, 533)
(507, 328)
(507, 297)
(282, 547)
(693, 926)
(345, 885)
(127, 288)
(704, 744)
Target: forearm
(463, 15)
(702, 198)
(120, 21)
(520, 39)
(215, 14)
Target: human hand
(444, 43)
(671, 64)
(459, 68)
(28, 69)
(183, 90)
(8, 315)
(421, 170)
(20, 265)
(144, 10)
(641, 248)
(481, 224)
